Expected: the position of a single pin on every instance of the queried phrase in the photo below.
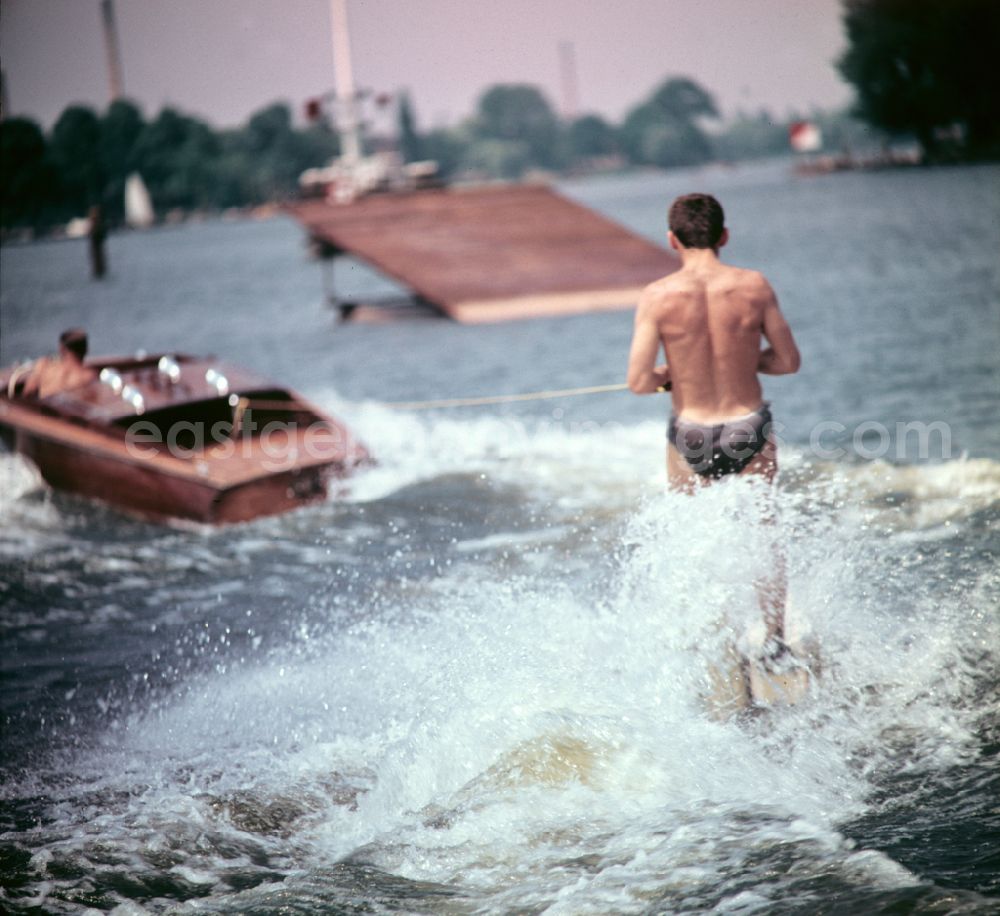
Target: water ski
(739, 683)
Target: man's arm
(644, 376)
(781, 356)
(33, 383)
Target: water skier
(710, 318)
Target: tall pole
(567, 74)
(347, 115)
(4, 101)
(115, 79)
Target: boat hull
(183, 459)
(143, 489)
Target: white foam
(31, 519)
(600, 459)
(541, 740)
(928, 495)
(592, 463)
(510, 725)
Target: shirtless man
(709, 318)
(50, 375)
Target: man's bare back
(710, 319)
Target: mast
(4, 101)
(115, 78)
(347, 116)
(567, 79)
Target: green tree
(316, 146)
(232, 180)
(496, 158)
(274, 160)
(271, 154)
(842, 132)
(927, 67)
(446, 147)
(664, 129)
(121, 128)
(268, 128)
(176, 155)
(751, 137)
(75, 148)
(590, 136)
(520, 114)
(27, 178)
(410, 145)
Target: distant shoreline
(799, 165)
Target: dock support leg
(327, 255)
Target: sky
(222, 60)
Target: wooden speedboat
(174, 436)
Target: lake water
(473, 681)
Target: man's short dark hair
(697, 220)
(75, 340)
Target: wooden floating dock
(492, 253)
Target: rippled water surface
(474, 682)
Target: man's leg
(679, 474)
(779, 679)
(772, 589)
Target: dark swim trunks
(723, 449)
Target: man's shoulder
(659, 291)
(43, 365)
(749, 286)
(747, 277)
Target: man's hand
(782, 356)
(643, 378)
(772, 364)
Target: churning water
(474, 681)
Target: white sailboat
(138, 206)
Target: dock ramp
(493, 253)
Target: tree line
(85, 159)
(922, 69)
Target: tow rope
(504, 398)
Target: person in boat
(710, 318)
(52, 374)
